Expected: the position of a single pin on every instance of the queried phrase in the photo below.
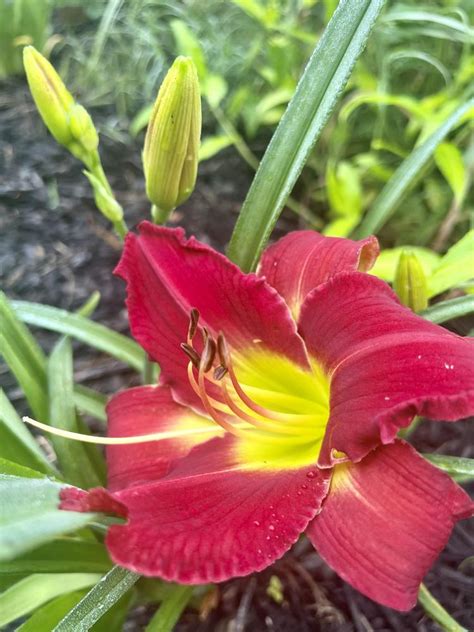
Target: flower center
(277, 410)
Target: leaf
(456, 466)
(30, 514)
(212, 145)
(319, 89)
(24, 358)
(214, 88)
(62, 555)
(404, 103)
(83, 329)
(72, 455)
(45, 618)
(447, 310)
(435, 611)
(90, 402)
(13, 469)
(98, 601)
(387, 261)
(140, 120)
(17, 443)
(455, 267)
(449, 161)
(405, 176)
(187, 44)
(35, 590)
(170, 609)
(345, 198)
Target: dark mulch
(56, 249)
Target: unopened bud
(410, 282)
(170, 156)
(51, 96)
(82, 128)
(106, 203)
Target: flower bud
(51, 96)
(410, 282)
(170, 155)
(82, 128)
(106, 203)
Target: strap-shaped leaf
(407, 173)
(83, 329)
(318, 91)
(30, 514)
(98, 601)
(90, 402)
(447, 310)
(170, 609)
(460, 468)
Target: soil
(56, 249)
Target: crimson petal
(212, 519)
(146, 410)
(304, 259)
(168, 275)
(385, 521)
(385, 364)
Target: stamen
(193, 323)
(156, 436)
(192, 354)
(208, 354)
(219, 372)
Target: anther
(192, 354)
(219, 372)
(223, 351)
(193, 323)
(208, 355)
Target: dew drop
(271, 527)
(299, 493)
(304, 486)
(256, 523)
(311, 474)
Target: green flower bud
(170, 155)
(106, 203)
(82, 128)
(51, 96)
(410, 282)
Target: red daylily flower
(279, 403)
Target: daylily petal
(146, 410)
(212, 519)
(385, 364)
(304, 259)
(168, 275)
(385, 520)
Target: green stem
(170, 609)
(158, 215)
(435, 611)
(447, 310)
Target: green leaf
(212, 145)
(98, 601)
(387, 261)
(170, 609)
(62, 555)
(447, 310)
(318, 91)
(72, 455)
(24, 358)
(407, 104)
(83, 329)
(449, 161)
(345, 198)
(35, 590)
(214, 88)
(90, 402)
(45, 618)
(13, 469)
(17, 443)
(187, 44)
(460, 468)
(456, 267)
(140, 120)
(30, 514)
(407, 173)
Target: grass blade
(456, 307)
(319, 89)
(460, 468)
(90, 402)
(435, 611)
(405, 176)
(98, 601)
(170, 609)
(83, 329)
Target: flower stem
(435, 611)
(158, 215)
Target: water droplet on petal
(256, 523)
(311, 474)
(271, 527)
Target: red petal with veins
(211, 519)
(168, 275)
(386, 364)
(385, 521)
(304, 259)
(146, 410)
